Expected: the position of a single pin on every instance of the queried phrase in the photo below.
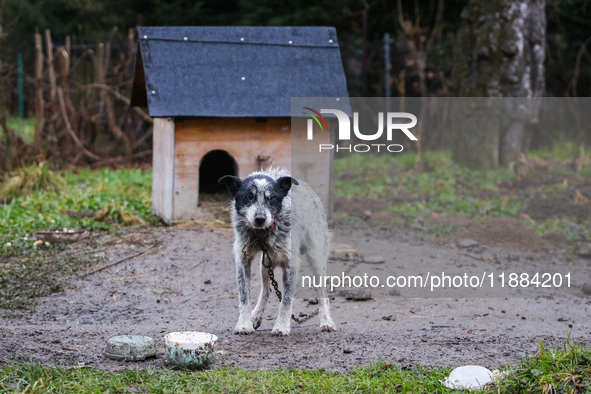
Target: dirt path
(187, 283)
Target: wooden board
(311, 165)
(163, 168)
(243, 138)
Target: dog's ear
(285, 184)
(233, 183)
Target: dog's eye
(271, 198)
(251, 196)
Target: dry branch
(121, 97)
(575, 78)
(120, 261)
(77, 141)
(64, 63)
(121, 158)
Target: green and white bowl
(130, 348)
(191, 349)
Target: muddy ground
(187, 282)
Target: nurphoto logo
(395, 121)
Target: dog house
(221, 102)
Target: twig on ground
(120, 261)
(480, 258)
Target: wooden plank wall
(163, 168)
(309, 164)
(243, 138)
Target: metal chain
(306, 317)
(271, 273)
(276, 285)
(269, 267)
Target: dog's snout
(259, 220)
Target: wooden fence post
(64, 67)
(68, 46)
(52, 84)
(99, 79)
(39, 120)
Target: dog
(264, 222)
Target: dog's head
(258, 198)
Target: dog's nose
(259, 220)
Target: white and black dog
(263, 221)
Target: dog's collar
(271, 228)
(263, 234)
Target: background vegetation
(44, 182)
(99, 38)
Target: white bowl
(191, 349)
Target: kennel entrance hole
(214, 165)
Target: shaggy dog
(264, 221)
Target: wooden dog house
(221, 102)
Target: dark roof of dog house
(235, 71)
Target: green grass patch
(443, 187)
(376, 378)
(109, 198)
(24, 128)
(378, 176)
(26, 180)
(586, 172)
(561, 150)
(562, 225)
(550, 370)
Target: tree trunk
(499, 53)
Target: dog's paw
(244, 329)
(281, 331)
(256, 322)
(328, 327)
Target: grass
(561, 150)
(444, 188)
(111, 200)
(550, 370)
(376, 378)
(122, 197)
(27, 180)
(24, 128)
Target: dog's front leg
(282, 324)
(243, 262)
(257, 314)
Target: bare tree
(500, 53)
(9, 141)
(419, 41)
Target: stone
(467, 243)
(343, 252)
(583, 248)
(358, 295)
(394, 292)
(374, 259)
